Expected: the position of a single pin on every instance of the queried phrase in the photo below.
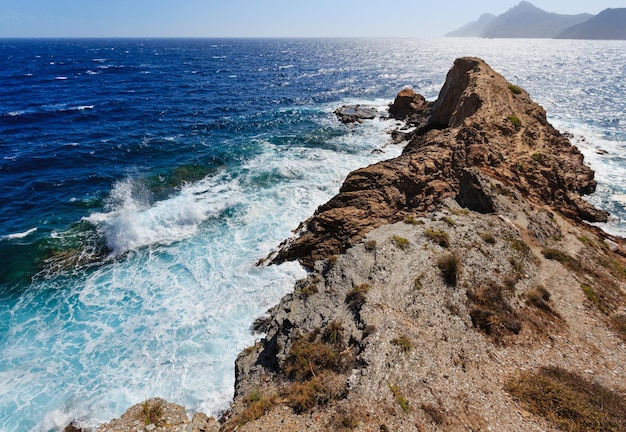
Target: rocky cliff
(479, 124)
(455, 287)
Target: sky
(259, 18)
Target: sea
(141, 180)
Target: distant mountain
(528, 21)
(608, 24)
(474, 28)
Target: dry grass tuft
(569, 401)
(492, 313)
(450, 267)
(439, 237)
(356, 297)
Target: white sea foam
(131, 222)
(20, 235)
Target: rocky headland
(455, 287)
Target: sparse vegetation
(344, 420)
(257, 405)
(450, 266)
(309, 289)
(591, 295)
(519, 245)
(537, 157)
(515, 89)
(403, 342)
(417, 282)
(587, 241)
(448, 220)
(518, 266)
(515, 121)
(370, 245)
(439, 237)
(400, 242)
(434, 412)
(333, 333)
(488, 238)
(152, 410)
(540, 298)
(492, 312)
(317, 365)
(319, 390)
(569, 401)
(412, 220)
(562, 257)
(402, 401)
(356, 298)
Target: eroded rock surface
(479, 122)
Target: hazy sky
(258, 18)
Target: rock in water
(355, 113)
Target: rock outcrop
(158, 415)
(480, 123)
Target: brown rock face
(479, 125)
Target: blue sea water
(141, 180)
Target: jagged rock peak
(481, 131)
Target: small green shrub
(400, 242)
(517, 123)
(152, 410)
(450, 267)
(515, 89)
(403, 342)
(402, 401)
(439, 237)
(333, 333)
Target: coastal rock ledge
(456, 287)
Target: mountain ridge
(528, 21)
